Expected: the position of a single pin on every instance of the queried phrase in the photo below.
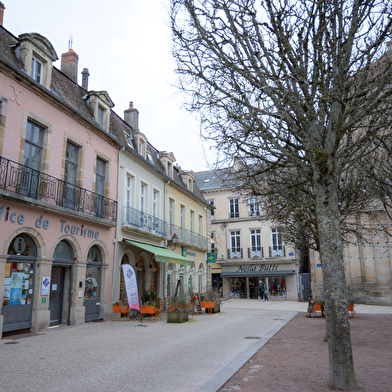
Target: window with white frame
(182, 217)
(192, 221)
(254, 206)
(128, 197)
(255, 243)
(277, 243)
(171, 217)
(235, 245)
(142, 198)
(200, 224)
(234, 210)
(36, 70)
(141, 147)
(155, 203)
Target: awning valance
(161, 254)
(256, 274)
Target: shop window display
(93, 274)
(19, 275)
(238, 287)
(276, 286)
(18, 284)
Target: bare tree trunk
(341, 364)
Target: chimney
(131, 117)
(2, 8)
(69, 64)
(85, 75)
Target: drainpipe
(164, 264)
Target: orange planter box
(123, 309)
(208, 306)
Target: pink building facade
(58, 189)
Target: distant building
(246, 248)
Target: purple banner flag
(131, 286)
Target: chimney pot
(2, 8)
(85, 75)
(69, 64)
(131, 117)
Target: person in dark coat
(261, 290)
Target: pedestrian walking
(261, 290)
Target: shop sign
(257, 268)
(45, 287)
(211, 257)
(8, 215)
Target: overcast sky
(126, 46)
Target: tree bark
(341, 364)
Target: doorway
(56, 297)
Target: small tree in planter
(214, 296)
(178, 308)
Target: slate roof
(72, 94)
(216, 179)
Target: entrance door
(56, 298)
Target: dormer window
(100, 116)
(36, 70)
(141, 143)
(141, 148)
(100, 105)
(167, 159)
(36, 54)
(129, 141)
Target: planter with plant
(178, 308)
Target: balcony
(277, 251)
(187, 237)
(24, 181)
(235, 253)
(255, 252)
(143, 221)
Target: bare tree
(301, 91)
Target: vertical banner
(131, 286)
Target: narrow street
(126, 356)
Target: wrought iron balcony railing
(277, 251)
(235, 253)
(143, 221)
(187, 237)
(31, 183)
(256, 251)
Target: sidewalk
(295, 359)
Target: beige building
(188, 216)
(368, 268)
(246, 247)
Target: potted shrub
(214, 296)
(121, 308)
(178, 309)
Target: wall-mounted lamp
(201, 270)
(181, 268)
(173, 241)
(191, 269)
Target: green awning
(161, 254)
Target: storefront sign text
(7, 215)
(257, 268)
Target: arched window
(22, 245)
(63, 251)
